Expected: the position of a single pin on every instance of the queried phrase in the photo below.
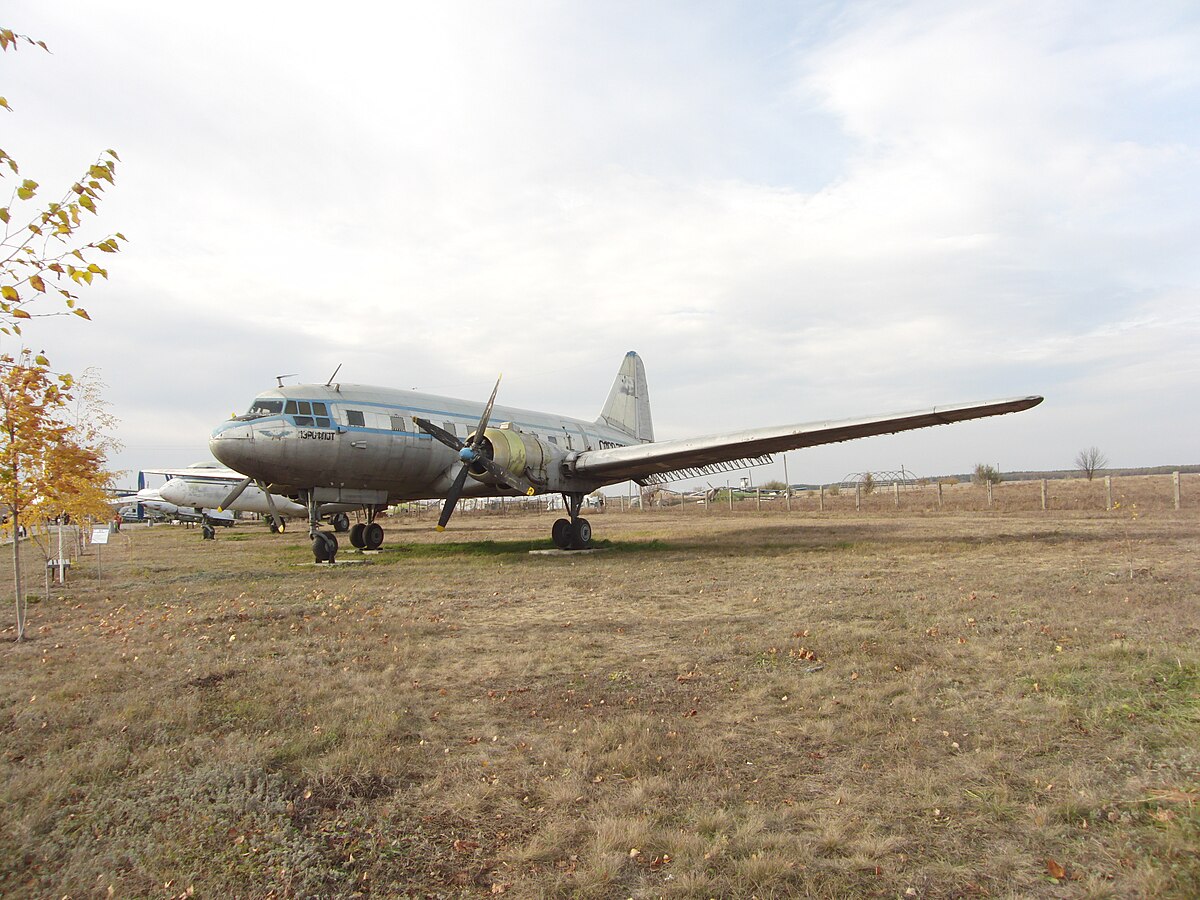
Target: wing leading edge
(644, 460)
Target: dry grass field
(887, 704)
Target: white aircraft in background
(203, 486)
(153, 500)
(322, 444)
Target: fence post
(896, 487)
(939, 487)
(822, 498)
(989, 489)
(1108, 492)
(857, 497)
(1177, 497)
(1044, 504)
(758, 499)
(731, 499)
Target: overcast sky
(793, 211)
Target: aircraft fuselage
(360, 444)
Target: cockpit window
(264, 407)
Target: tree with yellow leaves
(41, 251)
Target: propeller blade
(234, 494)
(518, 482)
(487, 414)
(441, 434)
(452, 498)
(271, 506)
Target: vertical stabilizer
(628, 406)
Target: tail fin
(628, 406)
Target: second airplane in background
(370, 447)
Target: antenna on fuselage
(279, 378)
(334, 375)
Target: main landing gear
(574, 533)
(367, 535)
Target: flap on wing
(640, 460)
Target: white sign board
(100, 535)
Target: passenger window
(398, 423)
(552, 439)
(304, 408)
(304, 421)
(290, 409)
(354, 417)
(319, 409)
(322, 423)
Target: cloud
(792, 215)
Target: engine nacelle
(516, 452)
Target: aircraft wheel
(271, 527)
(581, 534)
(356, 535)
(340, 522)
(373, 536)
(325, 546)
(207, 532)
(561, 534)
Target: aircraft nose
(232, 443)
(169, 492)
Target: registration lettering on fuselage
(316, 435)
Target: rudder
(628, 405)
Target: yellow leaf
(20, 314)
(1055, 870)
(4, 103)
(4, 215)
(10, 293)
(82, 313)
(41, 360)
(35, 282)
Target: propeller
(237, 492)
(471, 454)
(234, 494)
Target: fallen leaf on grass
(1056, 871)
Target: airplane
(203, 486)
(321, 444)
(159, 506)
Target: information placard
(100, 535)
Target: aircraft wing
(199, 473)
(642, 461)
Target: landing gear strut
(324, 544)
(574, 533)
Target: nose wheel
(324, 544)
(574, 533)
(325, 547)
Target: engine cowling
(517, 452)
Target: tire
(356, 535)
(340, 522)
(207, 532)
(561, 534)
(373, 536)
(581, 534)
(325, 547)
